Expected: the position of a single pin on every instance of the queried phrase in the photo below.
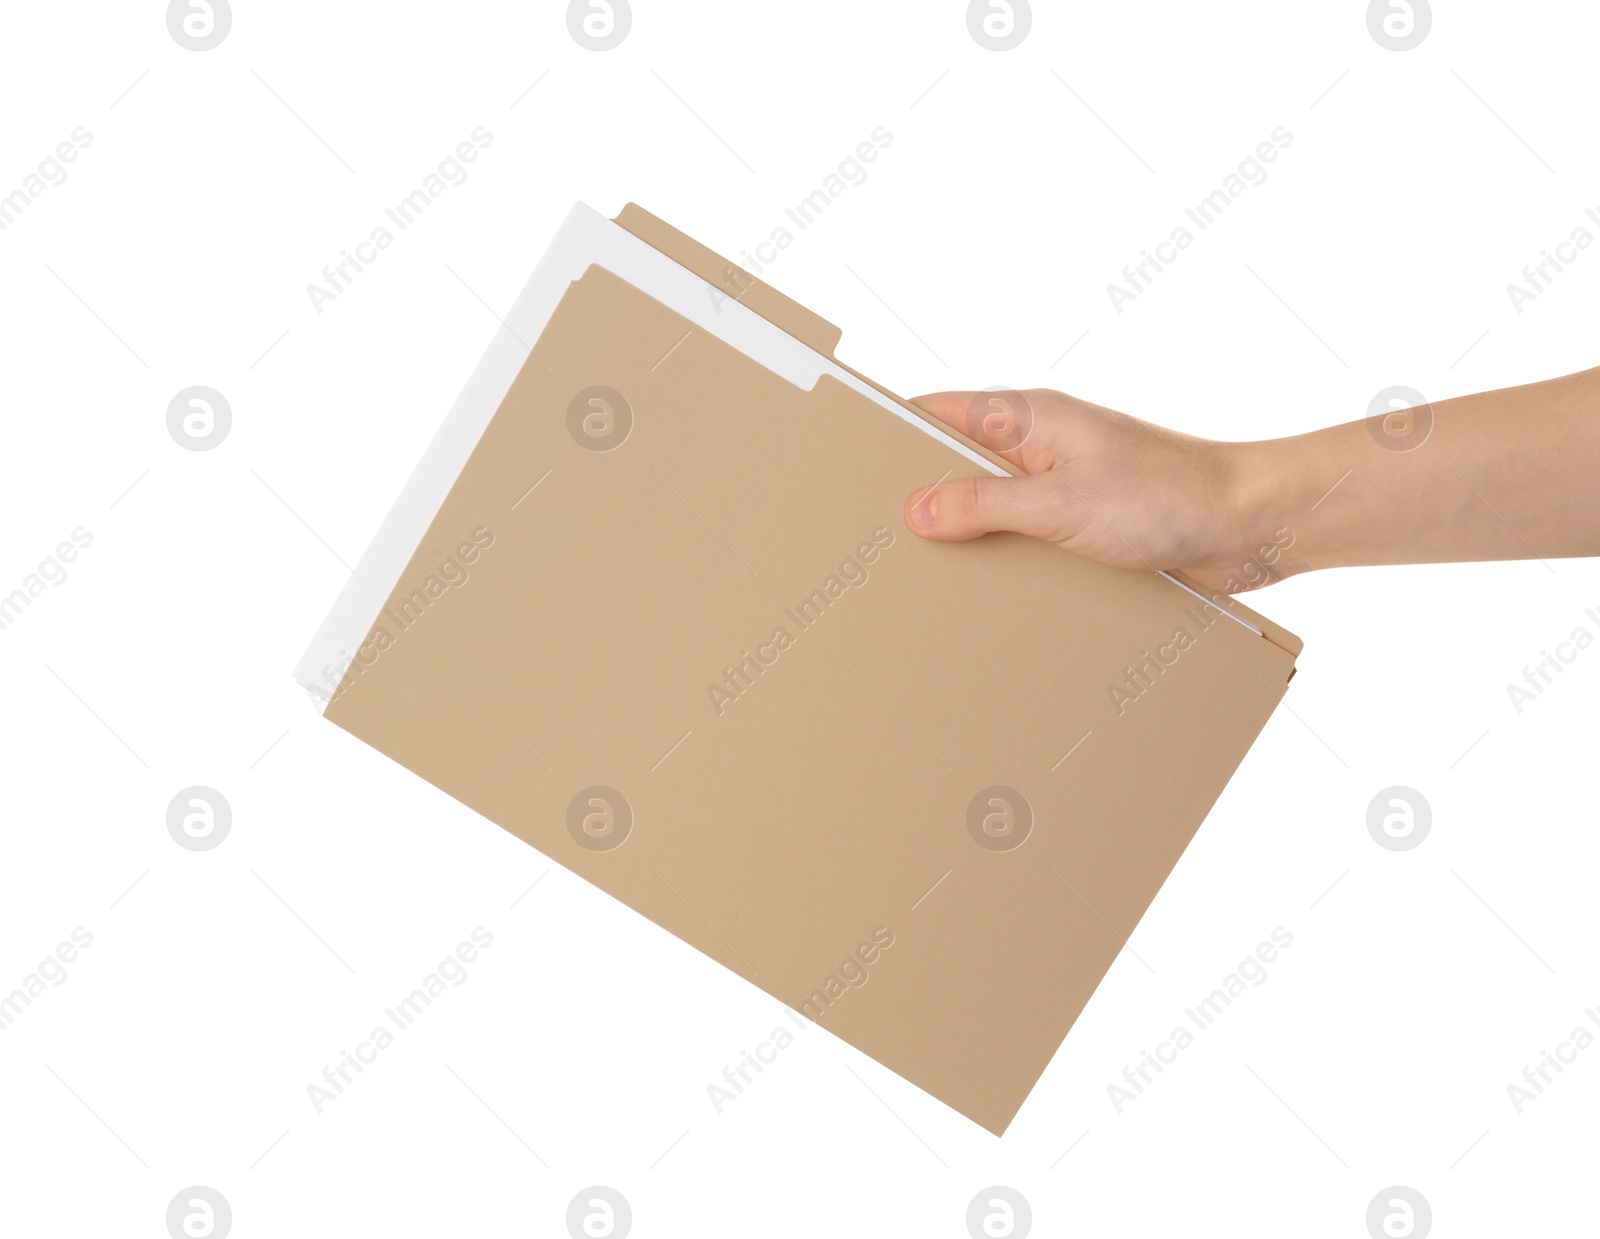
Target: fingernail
(924, 512)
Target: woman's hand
(1102, 485)
(1505, 474)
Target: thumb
(965, 508)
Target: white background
(1018, 184)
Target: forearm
(1511, 474)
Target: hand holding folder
(685, 651)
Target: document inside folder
(648, 604)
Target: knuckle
(973, 505)
(983, 501)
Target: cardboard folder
(648, 603)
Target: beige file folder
(667, 627)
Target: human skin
(1509, 474)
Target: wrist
(1277, 488)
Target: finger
(968, 508)
(950, 407)
(1003, 420)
